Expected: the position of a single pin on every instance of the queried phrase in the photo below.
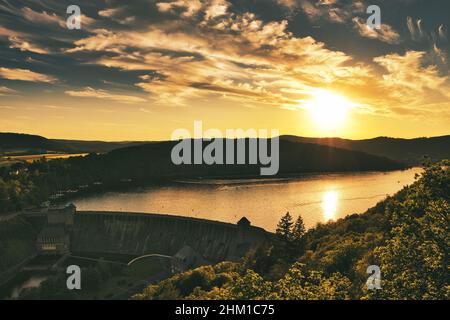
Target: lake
(318, 198)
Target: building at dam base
(192, 241)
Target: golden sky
(139, 70)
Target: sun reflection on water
(329, 205)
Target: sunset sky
(138, 70)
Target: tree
(284, 227)
(298, 230)
(298, 236)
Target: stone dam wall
(142, 233)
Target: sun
(328, 110)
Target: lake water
(318, 198)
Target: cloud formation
(220, 53)
(385, 33)
(103, 94)
(186, 52)
(5, 90)
(25, 75)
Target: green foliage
(192, 284)
(299, 283)
(414, 260)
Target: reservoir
(316, 197)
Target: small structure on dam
(138, 234)
(54, 238)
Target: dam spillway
(145, 233)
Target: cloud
(42, 17)
(409, 82)
(116, 14)
(434, 42)
(215, 9)
(25, 75)
(24, 45)
(385, 33)
(145, 110)
(189, 7)
(330, 10)
(109, 12)
(19, 40)
(415, 29)
(53, 107)
(5, 90)
(288, 3)
(103, 94)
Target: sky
(138, 70)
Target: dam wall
(141, 233)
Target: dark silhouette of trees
(284, 227)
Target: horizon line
(279, 136)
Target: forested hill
(96, 146)
(29, 143)
(407, 236)
(19, 143)
(410, 151)
(295, 157)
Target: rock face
(142, 233)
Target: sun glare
(328, 110)
(329, 205)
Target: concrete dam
(140, 234)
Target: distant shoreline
(282, 178)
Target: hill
(19, 143)
(26, 143)
(294, 158)
(410, 151)
(96, 146)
